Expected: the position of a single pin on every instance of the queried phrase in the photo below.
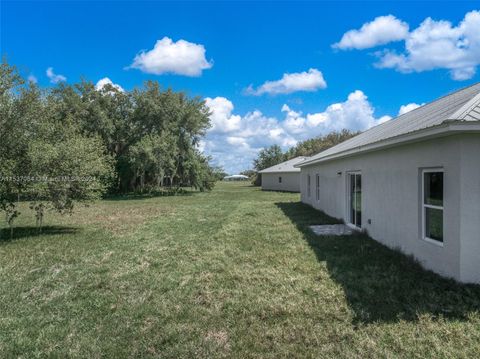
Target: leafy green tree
(176, 124)
(207, 175)
(45, 158)
(16, 104)
(72, 143)
(318, 144)
(218, 173)
(268, 157)
(73, 169)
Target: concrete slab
(332, 230)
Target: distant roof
(460, 106)
(235, 176)
(286, 166)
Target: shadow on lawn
(30, 231)
(381, 284)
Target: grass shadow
(279, 191)
(381, 284)
(31, 231)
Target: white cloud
(55, 78)
(356, 114)
(181, 58)
(435, 44)
(439, 45)
(32, 78)
(221, 115)
(409, 107)
(106, 81)
(235, 140)
(310, 80)
(381, 31)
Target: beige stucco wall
(290, 181)
(391, 199)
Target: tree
(44, 156)
(176, 123)
(218, 173)
(268, 157)
(15, 110)
(151, 134)
(72, 143)
(318, 144)
(72, 169)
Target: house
(413, 183)
(282, 177)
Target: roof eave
(444, 129)
(272, 169)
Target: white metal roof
(460, 106)
(286, 166)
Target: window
(280, 179)
(308, 185)
(317, 186)
(432, 205)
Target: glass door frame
(351, 215)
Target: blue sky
(251, 60)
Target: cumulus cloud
(310, 80)
(235, 151)
(235, 140)
(439, 45)
(381, 31)
(221, 115)
(356, 113)
(409, 107)
(55, 78)
(106, 81)
(435, 44)
(168, 57)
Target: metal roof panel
(463, 105)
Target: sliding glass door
(355, 198)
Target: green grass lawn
(231, 273)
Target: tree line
(75, 143)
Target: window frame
(350, 221)
(317, 187)
(424, 207)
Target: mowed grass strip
(232, 273)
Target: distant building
(235, 178)
(282, 177)
(413, 183)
